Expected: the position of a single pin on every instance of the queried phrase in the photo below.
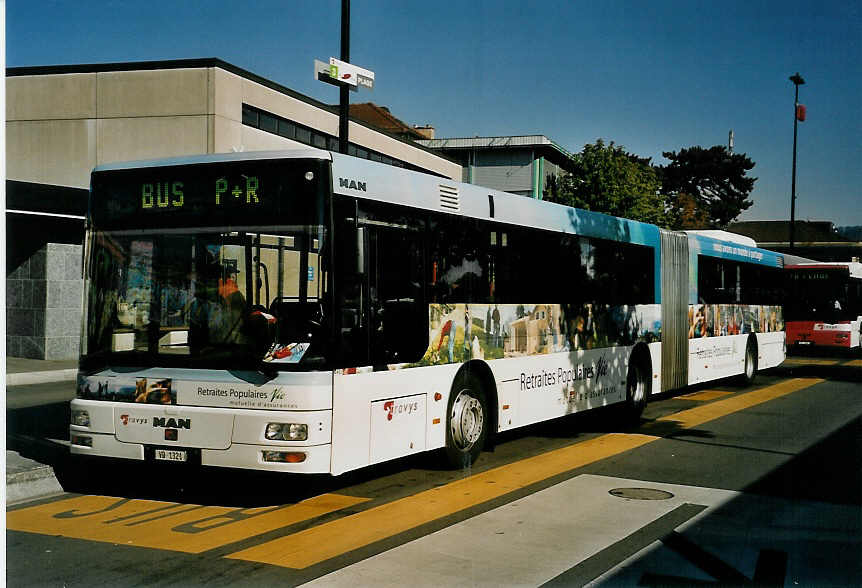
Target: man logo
(351, 184)
(172, 423)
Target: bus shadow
(208, 486)
(843, 370)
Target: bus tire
(637, 388)
(749, 372)
(467, 421)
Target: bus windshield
(227, 298)
(821, 294)
(172, 281)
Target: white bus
(311, 312)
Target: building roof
(813, 240)
(778, 231)
(494, 142)
(540, 143)
(380, 118)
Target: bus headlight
(286, 432)
(81, 418)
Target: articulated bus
(311, 312)
(824, 306)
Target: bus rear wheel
(466, 422)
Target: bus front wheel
(466, 422)
(637, 389)
(750, 368)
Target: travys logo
(392, 408)
(132, 420)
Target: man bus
(311, 312)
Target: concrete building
(62, 121)
(519, 164)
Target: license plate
(171, 455)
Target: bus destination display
(228, 194)
(171, 195)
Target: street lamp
(797, 81)
(344, 92)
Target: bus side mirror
(360, 250)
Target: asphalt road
(721, 485)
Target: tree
(606, 178)
(685, 213)
(705, 188)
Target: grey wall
(43, 304)
(509, 170)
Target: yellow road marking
(165, 525)
(808, 361)
(702, 414)
(328, 540)
(854, 362)
(334, 538)
(706, 395)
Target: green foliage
(608, 179)
(705, 188)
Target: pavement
(21, 371)
(27, 479)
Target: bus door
(384, 315)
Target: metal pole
(793, 181)
(344, 92)
(797, 80)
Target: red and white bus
(824, 305)
(311, 312)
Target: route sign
(342, 73)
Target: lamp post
(797, 81)
(344, 92)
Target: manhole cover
(641, 493)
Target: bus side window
(459, 260)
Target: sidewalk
(21, 371)
(27, 479)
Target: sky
(651, 76)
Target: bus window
(459, 269)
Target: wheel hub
(467, 420)
(637, 386)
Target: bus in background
(310, 312)
(824, 306)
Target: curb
(27, 378)
(32, 484)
